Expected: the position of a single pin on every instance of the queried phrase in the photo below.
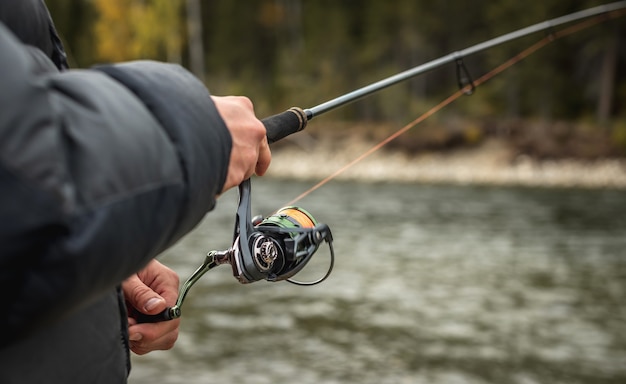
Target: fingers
(265, 157)
(250, 152)
(148, 337)
(151, 291)
(142, 297)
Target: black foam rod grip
(284, 124)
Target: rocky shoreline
(491, 163)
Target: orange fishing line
(507, 64)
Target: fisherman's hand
(250, 152)
(150, 291)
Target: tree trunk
(196, 46)
(607, 80)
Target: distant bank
(491, 163)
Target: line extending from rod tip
(497, 70)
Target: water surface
(432, 284)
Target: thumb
(142, 297)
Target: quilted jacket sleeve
(100, 171)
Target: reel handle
(286, 123)
(169, 313)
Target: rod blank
(369, 89)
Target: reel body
(277, 247)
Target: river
(432, 284)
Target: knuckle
(239, 175)
(259, 129)
(137, 349)
(171, 275)
(245, 101)
(137, 292)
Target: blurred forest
(568, 99)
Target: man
(100, 171)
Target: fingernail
(135, 337)
(152, 303)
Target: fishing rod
(278, 247)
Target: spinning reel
(274, 248)
(277, 247)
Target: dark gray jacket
(100, 171)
